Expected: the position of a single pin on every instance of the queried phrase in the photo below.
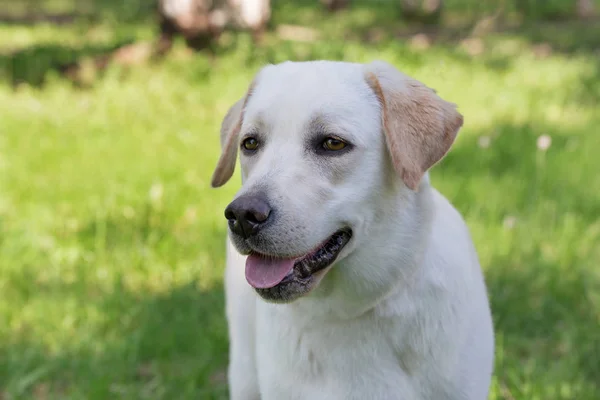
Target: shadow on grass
(567, 37)
(33, 65)
(32, 12)
(31, 19)
(374, 22)
(168, 343)
(164, 346)
(546, 325)
(367, 22)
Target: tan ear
(230, 129)
(419, 126)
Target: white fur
(403, 313)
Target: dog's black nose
(247, 214)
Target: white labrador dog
(361, 280)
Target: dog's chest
(329, 361)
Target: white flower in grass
(156, 193)
(509, 222)
(484, 142)
(544, 142)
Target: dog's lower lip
(320, 258)
(324, 256)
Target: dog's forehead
(294, 92)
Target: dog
(348, 275)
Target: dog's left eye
(333, 144)
(250, 144)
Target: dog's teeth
(321, 258)
(303, 269)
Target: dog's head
(323, 146)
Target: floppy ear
(419, 126)
(230, 129)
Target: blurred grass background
(112, 242)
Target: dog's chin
(240, 244)
(308, 269)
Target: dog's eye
(250, 144)
(333, 144)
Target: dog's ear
(419, 126)
(230, 129)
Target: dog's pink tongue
(264, 273)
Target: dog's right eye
(250, 144)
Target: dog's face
(321, 144)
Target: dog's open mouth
(266, 271)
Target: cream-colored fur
(403, 312)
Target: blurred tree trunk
(253, 15)
(335, 5)
(585, 9)
(201, 22)
(425, 11)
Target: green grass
(111, 241)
